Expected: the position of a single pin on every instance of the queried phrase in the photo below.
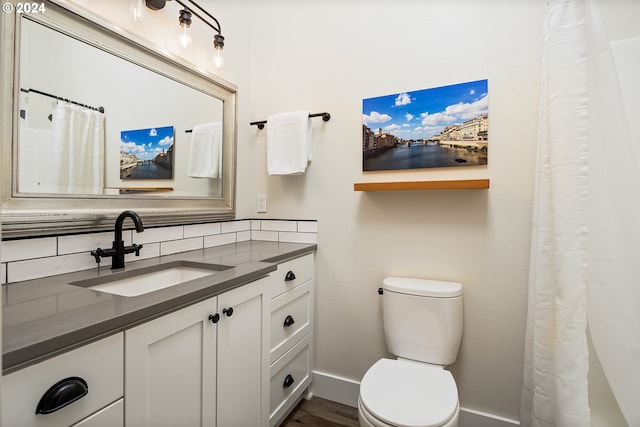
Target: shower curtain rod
(39, 92)
(325, 116)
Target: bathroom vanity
(229, 349)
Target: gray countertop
(44, 317)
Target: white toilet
(423, 328)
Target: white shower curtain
(79, 138)
(585, 230)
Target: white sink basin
(149, 279)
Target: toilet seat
(409, 394)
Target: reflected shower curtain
(585, 228)
(78, 148)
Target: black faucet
(118, 250)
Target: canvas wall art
(147, 153)
(429, 128)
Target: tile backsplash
(27, 259)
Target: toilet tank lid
(422, 287)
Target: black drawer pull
(214, 318)
(288, 381)
(288, 321)
(228, 311)
(61, 394)
(289, 276)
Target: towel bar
(325, 116)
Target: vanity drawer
(291, 318)
(301, 268)
(99, 364)
(290, 376)
(111, 416)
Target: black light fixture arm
(159, 4)
(217, 27)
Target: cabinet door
(170, 369)
(243, 351)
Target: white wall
(287, 55)
(328, 56)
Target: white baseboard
(335, 388)
(471, 418)
(346, 391)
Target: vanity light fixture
(185, 22)
(187, 11)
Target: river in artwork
(423, 156)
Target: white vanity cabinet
(203, 365)
(291, 340)
(57, 387)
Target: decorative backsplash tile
(160, 234)
(18, 271)
(27, 259)
(14, 250)
(183, 245)
(276, 225)
(88, 242)
(199, 230)
(235, 226)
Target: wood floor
(322, 413)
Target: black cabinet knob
(289, 276)
(288, 381)
(214, 318)
(228, 311)
(61, 394)
(288, 321)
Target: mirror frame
(31, 215)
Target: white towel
(288, 143)
(205, 153)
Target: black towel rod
(325, 116)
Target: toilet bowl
(404, 393)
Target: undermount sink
(149, 279)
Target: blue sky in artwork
(146, 144)
(424, 113)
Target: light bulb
(184, 37)
(218, 59)
(218, 45)
(138, 10)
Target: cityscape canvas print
(147, 153)
(429, 128)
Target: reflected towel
(205, 153)
(288, 143)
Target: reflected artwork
(438, 127)
(147, 153)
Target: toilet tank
(422, 319)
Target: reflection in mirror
(66, 148)
(99, 122)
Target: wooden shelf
(463, 184)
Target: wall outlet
(262, 203)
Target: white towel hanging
(288, 143)
(205, 153)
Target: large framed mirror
(95, 122)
